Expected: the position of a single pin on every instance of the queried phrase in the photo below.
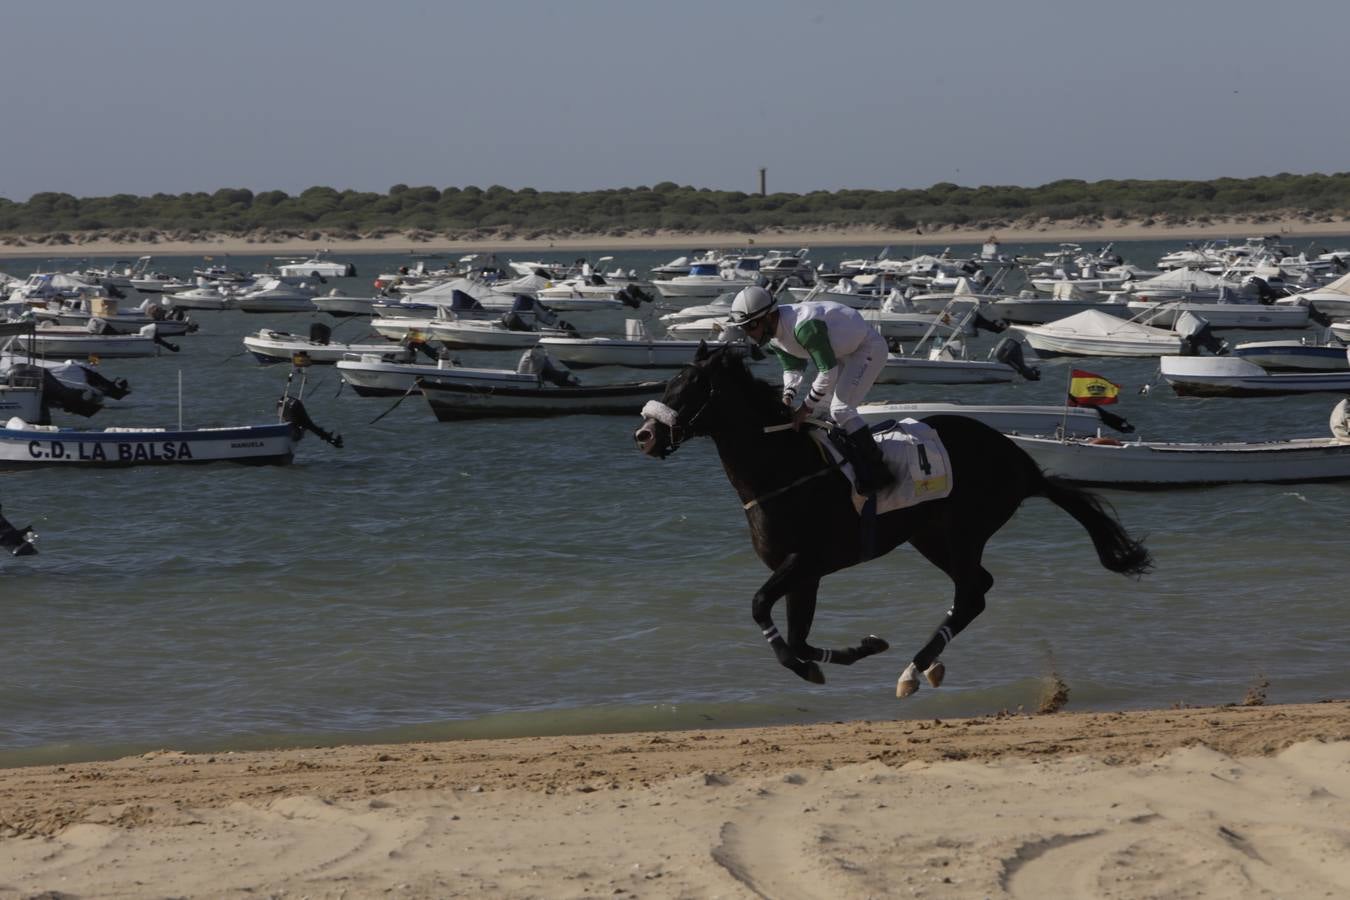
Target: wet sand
(1240, 801)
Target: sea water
(495, 578)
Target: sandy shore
(1217, 802)
(1045, 232)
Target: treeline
(670, 207)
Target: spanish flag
(1088, 389)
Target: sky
(147, 96)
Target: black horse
(804, 524)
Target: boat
(204, 296)
(637, 349)
(1221, 313)
(1227, 376)
(145, 280)
(339, 304)
(705, 281)
(1340, 330)
(316, 348)
(948, 363)
(377, 375)
(522, 327)
(1295, 355)
(95, 340)
(1010, 419)
(23, 444)
(277, 295)
(1330, 299)
(1095, 333)
(317, 266)
(454, 401)
(1109, 462)
(78, 311)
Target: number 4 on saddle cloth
(911, 449)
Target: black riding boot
(870, 473)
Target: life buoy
(1105, 441)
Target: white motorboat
(376, 375)
(1032, 309)
(317, 266)
(1095, 333)
(1152, 464)
(78, 311)
(636, 350)
(278, 295)
(1227, 376)
(1330, 299)
(1220, 314)
(704, 282)
(147, 281)
(1341, 330)
(208, 295)
(269, 347)
(943, 365)
(1295, 355)
(1010, 419)
(69, 341)
(337, 303)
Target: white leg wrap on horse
(908, 683)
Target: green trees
(456, 210)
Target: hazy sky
(141, 96)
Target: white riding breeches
(857, 373)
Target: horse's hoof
(873, 644)
(908, 683)
(935, 673)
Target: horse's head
(696, 402)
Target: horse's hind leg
(972, 582)
(801, 612)
(796, 579)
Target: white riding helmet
(750, 304)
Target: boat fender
(1105, 441)
(1340, 420)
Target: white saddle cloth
(913, 451)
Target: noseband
(679, 432)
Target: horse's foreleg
(792, 578)
(801, 611)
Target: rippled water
(500, 577)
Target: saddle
(912, 451)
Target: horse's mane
(765, 398)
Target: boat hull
(908, 370)
(389, 379)
(585, 353)
(1231, 377)
(1007, 419)
(456, 402)
(111, 449)
(1157, 464)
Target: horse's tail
(1115, 548)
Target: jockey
(848, 354)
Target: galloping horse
(804, 525)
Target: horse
(804, 525)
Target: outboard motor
(1111, 420)
(84, 402)
(17, 541)
(153, 332)
(537, 362)
(292, 410)
(319, 333)
(513, 321)
(1317, 316)
(1009, 352)
(1196, 335)
(628, 297)
(993, 326)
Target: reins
(829, 467)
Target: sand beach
(1045, 231)
(1236, 801)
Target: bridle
(679, 431)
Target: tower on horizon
(763, 192)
